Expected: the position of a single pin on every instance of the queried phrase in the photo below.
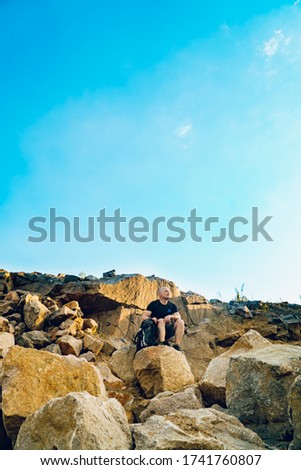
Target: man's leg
(161, 329)
(179, 330)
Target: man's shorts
(170, 330)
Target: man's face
(165, 292)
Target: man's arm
(173, 316)
(176, 315)
(146, 314)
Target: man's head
(164, 293)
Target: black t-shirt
(161, 311)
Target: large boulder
(257, 387)
(31, 378)
(121, 363)
(129, 290)
(132, 290)
(35, 313)
(213, 385)
(204, 429)
(161, 368)
(197, 350)
(121, 322)
(170, 402)
(294, 401)
(78, 421)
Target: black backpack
(147, 335)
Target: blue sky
(155, 108)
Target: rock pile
(70, 377)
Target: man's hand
(155, 320)
(168, 319)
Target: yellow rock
(204, 429)
(121, 363)
(4, 325)
(77, 421)
(7, 340)
(121, 322)
(76, 326)
(161, 368)
(93, 344)
(198, 353)
(31, 378)
(213, 385)
(35, 312)
(13, 297)
(294, 400)
(258, 385)
(129, 290)
(70, 345)
(68, 327)
(90, 326)
(73, 305)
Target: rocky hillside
(70, 378)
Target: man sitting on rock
(165, 314)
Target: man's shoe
(163, 343)
(177, 347)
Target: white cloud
(183, 131)
(275, 43)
